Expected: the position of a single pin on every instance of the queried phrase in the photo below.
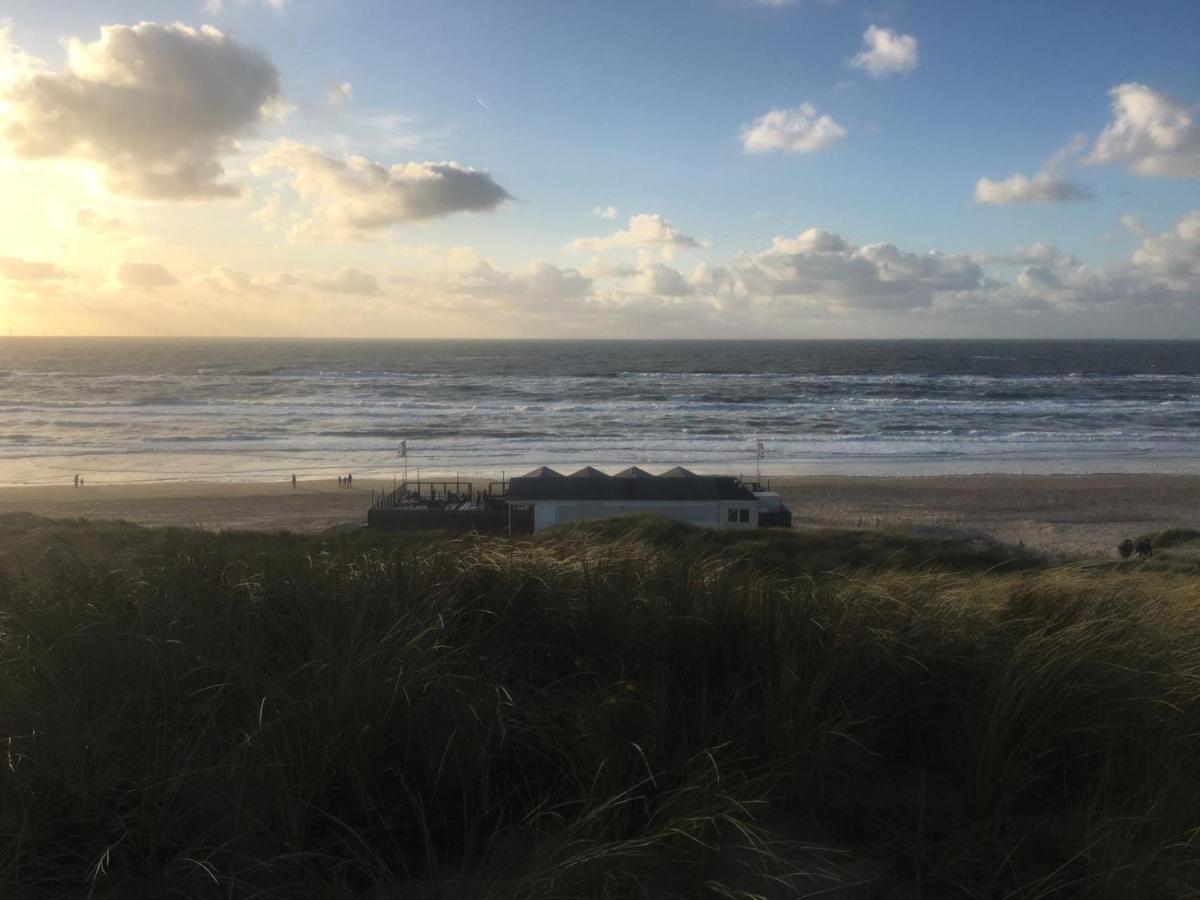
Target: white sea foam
(227, 410)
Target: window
(731, 515)
(744, 515)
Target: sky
(540, 168)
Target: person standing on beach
(293, 479)
(350, 480)
(76, 482)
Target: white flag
(762, 450)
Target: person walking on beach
(293, 479)
(76, 482)
(350, 480)
(339, 481)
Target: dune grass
(630, 709)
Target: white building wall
(707, 513)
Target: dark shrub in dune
(623, 709)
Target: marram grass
(629, 709)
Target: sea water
(259, 410)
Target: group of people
(1142, 549)
(344, 481)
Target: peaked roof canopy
(589, 472)
(543, 472)
(633, 484)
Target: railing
(440, 495)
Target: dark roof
(543, 472)
(679, 472)
(633, 472)
(597, 486)
(589, 472)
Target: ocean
(258, 410)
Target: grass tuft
(614, 709)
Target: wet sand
(1074, 515)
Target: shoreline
(1061, 514)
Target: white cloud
(605, 212)
(348, 281)
(214, 7)
(815, 279)
(1174, 256)
(91, 220)
(646, 231)
(464, 280)
(141, 276)
(16, 268)
(1038, 253)
(1163, 273)
(1044, 187)
(355, 197)
(1154, 133)
(660, 280)
(820, 267)
(798, 130)
(886, 52)
(340, 95)
(156, 106)
(1134, 223)
(15, 64)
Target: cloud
(15, 64)
(214, 7)
(355, 197)
(1154, 133)
(1044, 187)
(1038, 253)
(1163, 273)
(348, 281)
(1174, 256)
(815, 281)
(605, 212)
(145, 276)
(646, 231)
(466, 281)
(340, 95)
(886, 52)
(95, 222)
(1134, 223)
(16, 268)
(1047, 186)
(660, 280)
(156, 106)
(798, 130)
(818, 266)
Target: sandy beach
(1072, 515)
